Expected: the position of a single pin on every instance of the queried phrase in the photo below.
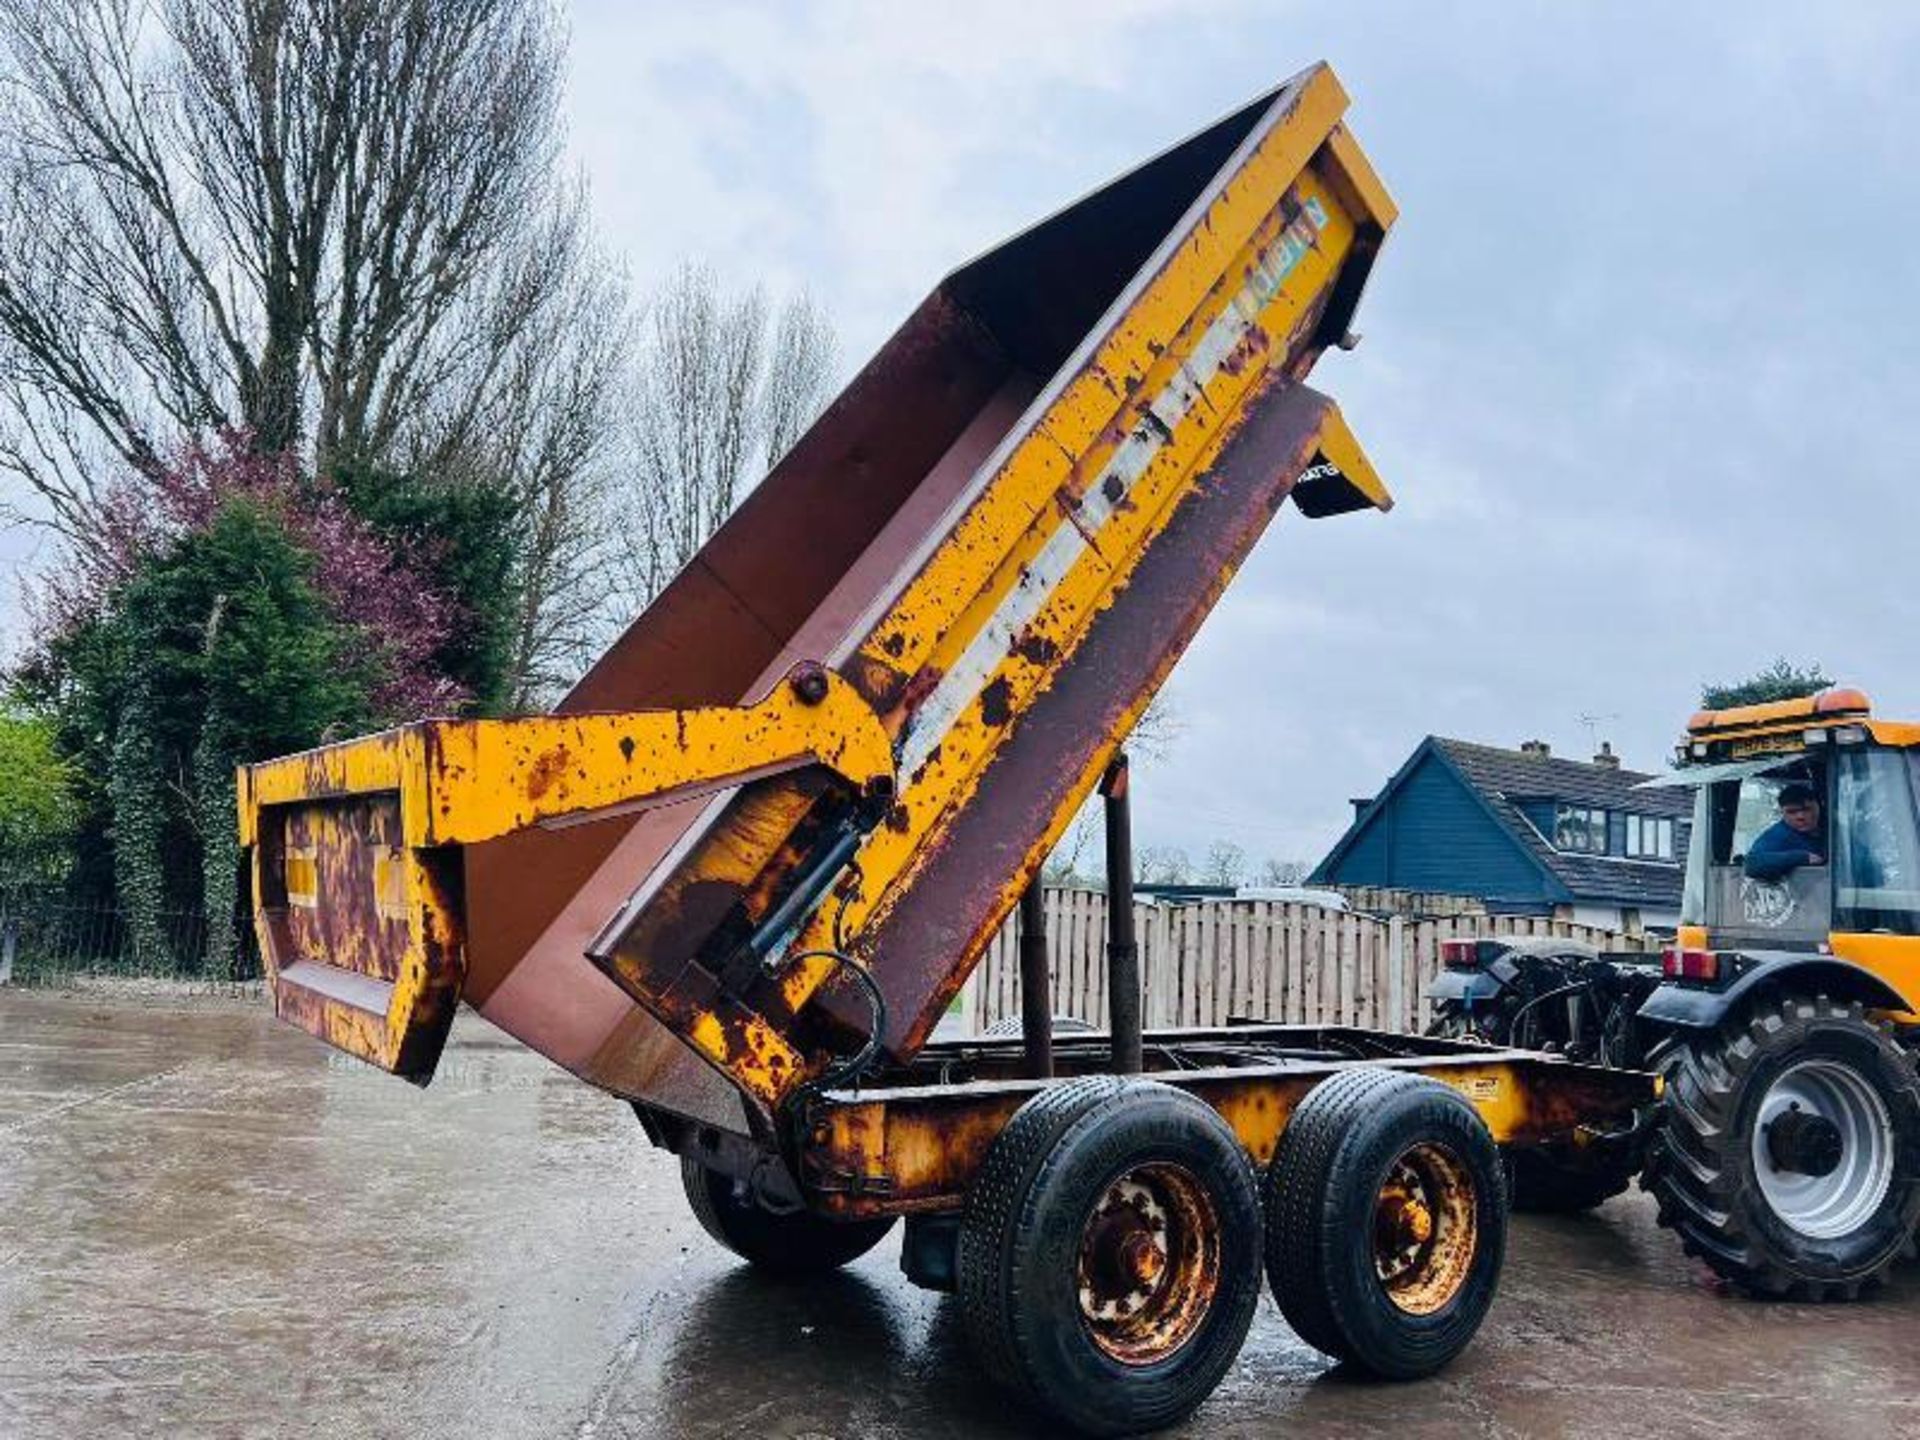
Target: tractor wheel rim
(1149, 1263)
(1425, 1228)
(1825, 1207)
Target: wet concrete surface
(209, 1225)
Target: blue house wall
(1432, 833)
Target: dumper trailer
(741, 871)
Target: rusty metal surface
(360, 932)
(361, 946)
(1216, 292)
(915, 1149)
(1048, 762)
(999, 538)
(1425, 1229)
(354, 915)
(1148, 1266)
(937, 395)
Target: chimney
(1537, 748)
(1606, 759)
(1360, 804)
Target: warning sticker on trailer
(1478, 1088)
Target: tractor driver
(1797, 838)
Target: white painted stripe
(962, 683)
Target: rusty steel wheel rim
(1149, 1263)
(1425, 1229)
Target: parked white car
(1294, 895)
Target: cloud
(860, 147)
(1637, 364)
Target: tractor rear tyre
(793, 1243)
(1386, 1222)
(1788, 1151)
(1109, 1259)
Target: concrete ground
(211, 1226)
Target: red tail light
(1460, 954)
(1677, 964)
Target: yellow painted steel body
(464, 781)
(917, 1148)
(374, 817)
(1116, 408)
(1002, 600)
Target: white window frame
(1594, 821)
(1650, 837)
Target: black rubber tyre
(1702, 1167)
(799, 1243)
(1343, 1148)
(1029, 1287)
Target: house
(1523, 830)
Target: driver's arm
(1773, 855)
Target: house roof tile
(1507, 778)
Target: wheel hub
(1822, 1148)
(1804, 1144)
(1149, 1263)
(1405, 1219)
(1424, 1229)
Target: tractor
(1784, 1018)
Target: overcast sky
(1641, 359)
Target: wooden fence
(1205, 962)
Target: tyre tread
(1688, 1172)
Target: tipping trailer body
(740, 872)
(1000, 536)
(853, 726)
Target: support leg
(1036, 986)
(1123, 954)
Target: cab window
(1876, 841)
(1727, 818)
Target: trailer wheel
(1386, 1222)
(795, 1243)
(1110, 1254)
(1788, 1153)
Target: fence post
(1398, 1012)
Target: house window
(1649, 838)
(1580, 828)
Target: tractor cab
(1732, 813)
(1851, 787)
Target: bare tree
(1162, 865)
(721, 389)
(1158, 729)
(1226, 864)
(291, 217)
(1284, 872)
(545, 423)
(1080, 847)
